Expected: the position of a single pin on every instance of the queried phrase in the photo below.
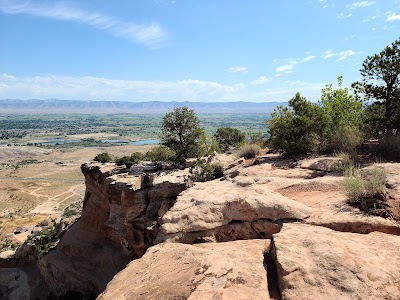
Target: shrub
(345, 161)
(103, 157)
(8, 244)
(256, 138)
(249, 151)
(137, 157)
(125, 160)
(161, 153)
(342, 116)
(128, 161)
(44, 240)
(218, 169)
(332, 124)
(367, 190)
(202, 172)
(344, 139)
(389, 146)
(228, 137)
(295, 129)
(212, 147)
(74, 209)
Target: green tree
(381, 83)
(161, 153)
(229, 137)
(181, 132)
(103, 157)
(295, 129)
(342, 119)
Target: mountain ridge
(90, 106)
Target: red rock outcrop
(318, 263)
(150, 221)
(232, 270)
(119, 222)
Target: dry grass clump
(202, 171)
(249, 151)
(345, 160)
(367, 190)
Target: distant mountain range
(84, 106)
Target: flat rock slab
(216, 203)
(318, 263)
(232, 270)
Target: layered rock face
(125, 208)
(119, 222)
(319, 247)
(272, 228)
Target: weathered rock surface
(318, 263)
(122, 207)
(14, 284)
(324, 194)
(123, 215)
(232, 270)
(219, 204)
(119, 222)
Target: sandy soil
(49, 182)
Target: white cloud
(342, 55)
(308, 58)
(288, 68)
(261, 80)
(150, 34)
(242, 70)
(328, 54)
(349, 37)
(359, 4)
(343, 16)
(345, 54)
(95, 88)
(393, 17)
(7, 77)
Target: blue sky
(187, 50)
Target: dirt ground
(36, 184)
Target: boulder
(318, 263)
(232, 270)
(326, 164)
(7, 254)
(210, 205)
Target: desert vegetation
(228, 137)
(367, 190)
(202, 171)
(343, 119)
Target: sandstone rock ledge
(225, 210)
(318, 263)
(232, 270)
